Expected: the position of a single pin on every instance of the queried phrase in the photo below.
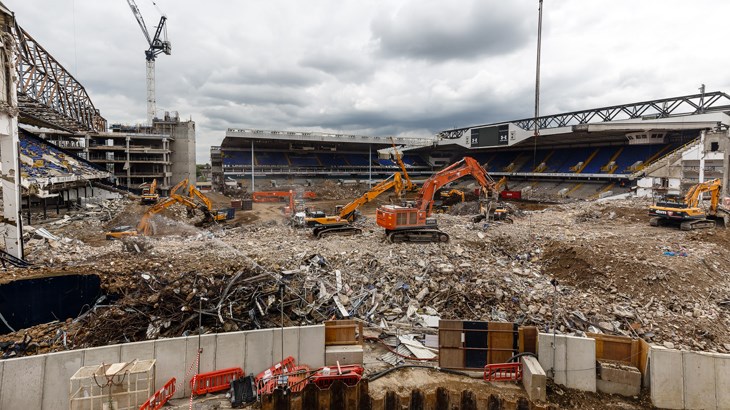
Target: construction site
(482, 267)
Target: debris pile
(579, 267)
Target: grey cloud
(482, 27)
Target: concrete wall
(689, 380)
(572, 359)
(183, 152)
(42, 382)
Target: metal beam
(48, 95)
(661, 108)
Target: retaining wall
(571, 359)
(689, 380)
(42, 381)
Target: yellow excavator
(341, 224)
(149, 193)
(688, 212)
(211, 215)
(145, 226)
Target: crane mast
(158, 44)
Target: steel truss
(662, 108)
(48, 95)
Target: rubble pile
(579, 267)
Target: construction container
(511, 194)
(246, 205)
(118, 386)
(236, 203)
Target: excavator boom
(688, 212)
(341, 224)
(412, 223)
(410, 186)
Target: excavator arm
(693, 196)
(395, 181)
(195, 193)
(467, 166)
(399, 160)
(179, 185)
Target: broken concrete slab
(349, 354)
(619, 379)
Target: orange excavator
(413, 223)
(145, 226)
(149, 193)
(211, 215)
(341, 224)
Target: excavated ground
(615, 274)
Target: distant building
(137, 154)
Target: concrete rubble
(581, 267)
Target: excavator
(145, 227)
(211, 215)
(687, 211)
(409, 185)
(413, 223)
(149, 193)
(341, 224)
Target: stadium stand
(40, 160)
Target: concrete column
(58, 201)
(252, 170)
(725, 164)
(702, 156)
(370, 165)
(45, 209)
(29, 222)
(129, 166)
(9, 147)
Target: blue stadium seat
(271, 158)
(332, 160)
(300, 160)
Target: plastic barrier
(214, 381)
(348, 374)
(295, 380)
(160, 397)
(282, 367)
(503, 372)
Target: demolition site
(483, 267)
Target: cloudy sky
(388, 67)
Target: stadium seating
(602, 158)
(41, 160)
(271, 158)
(300, 160)
(231, 158)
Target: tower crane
(157, 46)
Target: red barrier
(283, 366)
(294, 379)
(348, 374)
(214, 381)
(503, 372)
(160, 397)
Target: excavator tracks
(324, 232)
(417, 235)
